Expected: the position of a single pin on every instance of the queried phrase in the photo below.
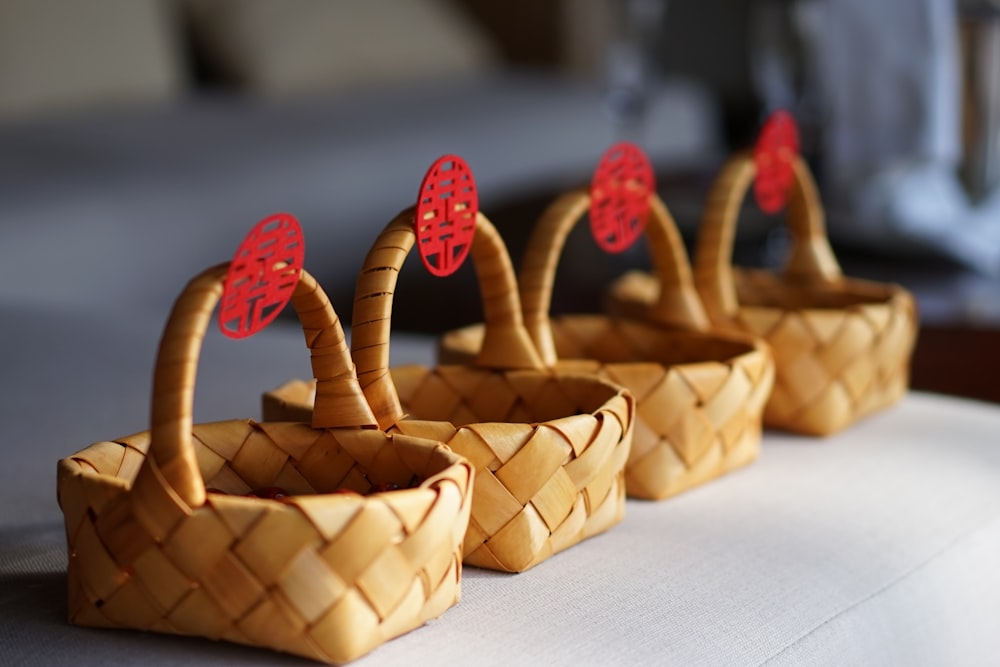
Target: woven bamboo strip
(320, 575)
(842, 346)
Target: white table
(879, 546)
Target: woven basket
(549, 449)
(326, 576)
(842, 345)
(699, 395)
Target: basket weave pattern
(549, 480)
(695, 420)
(836, 366)
(699, 396)
(549, 450)
(842, 346)
(327, 577)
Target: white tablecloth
(878, 546)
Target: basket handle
(506, 344)
(678, 303)
(171, 466)
(811, 259)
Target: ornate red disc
(262, 276)
(619, 197)
(446, 215)
(774, 155)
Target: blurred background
(140, 139)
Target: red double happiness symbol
(619, 197)
(774, 155)
(262, 276)
(446, 215)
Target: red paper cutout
(446, 215)
(262, 276)
(619, 197)
(774, 155)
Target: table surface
(874, 546)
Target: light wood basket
(842, 345)
(699, 395)
(325, 576)
(549, 449)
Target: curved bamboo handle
(171, 460)
(677, 305)
(811, 258)
(506, 344)
(340, 402)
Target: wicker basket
(699, 395)
(322, 575)
(842, 346)
(549, 449)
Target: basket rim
(450, 461)
(868, 293)
(754, 345)
(861, 292)
(614, 390)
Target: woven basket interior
(611, 340)
(463, 395)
